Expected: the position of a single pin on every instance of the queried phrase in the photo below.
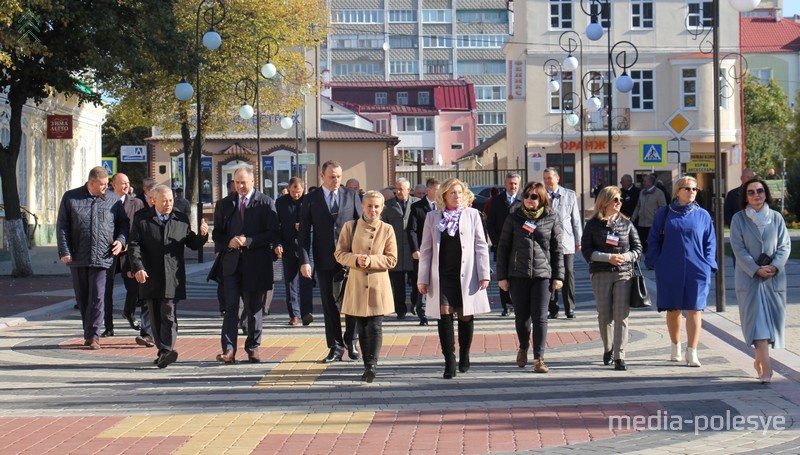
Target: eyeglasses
(690, 189)
(755, 191)
(531, 196)
(616, 200)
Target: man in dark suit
(325, 211)
(181, 203)
(247, 224)
(299, 298)
(397, 212)
(630, 195)
(499, 207)
(416, 224)
(158, 239)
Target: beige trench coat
(368, 291)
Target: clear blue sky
(791, 7)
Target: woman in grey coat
(761, 245)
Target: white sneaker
(677, 354)
(691, 357)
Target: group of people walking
(355, 242)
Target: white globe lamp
(553, 86)
(624, 83)
(286, 123)
(570, 63)
(269, 70)
(594, 31)
(572, 119)
(184, 91)
(212, 40)
(594, 104)
(744, 6)
(246, 112)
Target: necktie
(510, 200)
(242, 205)
(334, 204)
(433, 206)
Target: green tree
(766, 118)
(78, 44)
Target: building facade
(401, 40)
(672, 75)
(771, 45)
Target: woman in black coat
(530, 266)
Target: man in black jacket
(158, 238)
(91, 229)
(414, 229)
(499, 208)
(630, 195)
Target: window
(481, 67)
(763, 75)
(403, 42)
(381, 98)
(402, 15)
(598, 85)
(415, 124)
(561, 14)
(490, 92)
(481, 41)
(423, 98)
(357, 16)
(566, 172)
(457, 146)
(402, 98)
(689, 88)
(438, 66)
(642, 95)
(404, 67)
(356, 41)
(701, 14)
(342, 69)
(598, 169)
(456, 128)
(445, 41)
(382, 126)
(495, 16)
(641, 14)
(411, 155)
(437, 16)
(567, 90)
(491, 118)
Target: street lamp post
(551, 68)
(208, 10)
(624, 83)
(570, 41)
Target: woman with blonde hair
(454, 271)
(681, 246)
(610, 244)
(369, 248)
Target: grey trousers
(612, 293)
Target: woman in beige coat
(454, 271)
(369, 252)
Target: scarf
(534, 214)
(682, 210)
(449, 221)
(761, 218)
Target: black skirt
(450, 292)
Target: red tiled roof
(333, 131)
(765, 35)
(238, 149)
(400, 84)
(396, 109)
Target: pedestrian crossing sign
(652, 153)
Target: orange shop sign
(587, 145)
(59, 127)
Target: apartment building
(673, 74)
(405, 40)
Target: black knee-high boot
(465, 330)
(448, 342)
(363, 340)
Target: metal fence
(471, 178)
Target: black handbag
(639, 296)
(215, 274)
(763, 260)
(346, 270)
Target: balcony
(598, 121)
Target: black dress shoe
(107, 333)
(413, 310)
(369, 374)
(335, 355)
(504, 313)
(552, 316)
(608, 357)
(570, 315)
(352, 352)
(135, 325)
(401, 316)
(619, 365)
(307, 318)
(423, 321)
(167, 358)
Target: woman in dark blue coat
(684, 258)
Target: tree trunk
(17, 240)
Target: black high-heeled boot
(447, 340)
(465, 331)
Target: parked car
(482, 194)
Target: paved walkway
(58, 397)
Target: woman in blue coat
(761, 244)
(682, 248)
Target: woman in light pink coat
(454, 271)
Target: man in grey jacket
(565, 204)
(92, 228)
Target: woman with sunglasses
(681, 247)
(761, 245)
(610, 244)
(530, 266)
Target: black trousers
(164, 323)
(253, 309)
(417, 298)
(299, 289)
(398, 281)
(370, 337)
(568, 291)
(89, 284)
(531, 298)
(330, 285)
(643, 232)
(108, 298)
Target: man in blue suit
(246, 224)
(298, 289)
(325, 211)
